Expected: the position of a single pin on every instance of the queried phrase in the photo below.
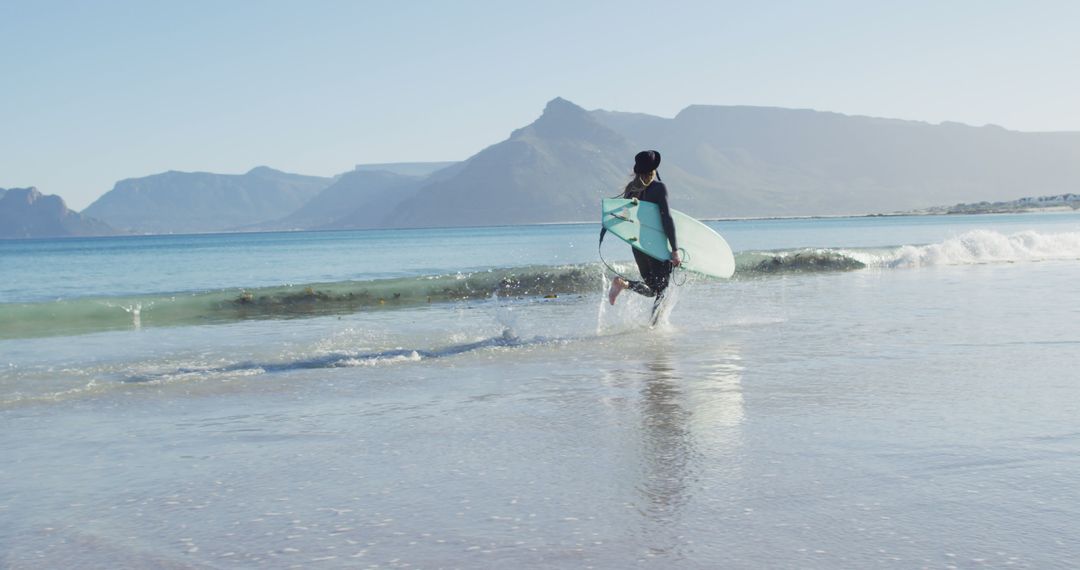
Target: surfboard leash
(681, 271)
(599, 246)
(600, 251)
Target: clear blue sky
(95, 91)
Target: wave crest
(806, 261)
(85, 315)
(985, 246)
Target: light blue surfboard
(638, 223)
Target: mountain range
(27, 213)
(189, 202)
(718, 161)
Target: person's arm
(665, 219)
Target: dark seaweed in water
(306, 302)
(808, 261)
(341, 297)
(542, 284)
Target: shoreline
(1060, 209)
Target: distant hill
(407, 168)
(181, 202)
(27, 213)
(761, 161)
(555, 169)
(357, 199)
(723, 161)
(718, 161)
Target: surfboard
(638, 223)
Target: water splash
(985, 246)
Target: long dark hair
(634, 188)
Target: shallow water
(902, 415)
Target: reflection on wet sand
(689, 421)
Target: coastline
(935, 211)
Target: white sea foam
(981, 246)
(414, 356)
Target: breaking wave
(971, 248)
(984, 246)
(84, 315)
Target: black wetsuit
(655, 274)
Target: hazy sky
(95, 91)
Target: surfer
(655, 273)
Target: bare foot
(617, 285)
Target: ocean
(865, 392)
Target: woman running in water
(655, 273)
